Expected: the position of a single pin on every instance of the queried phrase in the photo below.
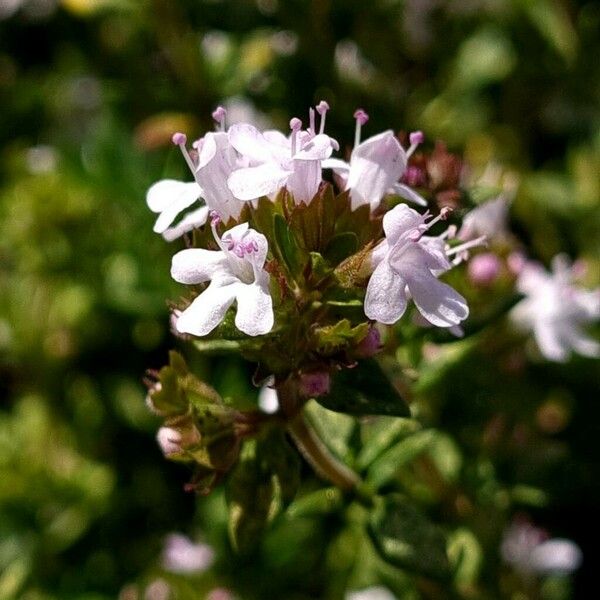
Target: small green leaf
(406, 538)
(250, 495)
(285, 245)
(341, 246)
(333, 338)
(333, 428)
(383, 470)
(364, 390)
(317, 269)
(466, 556)
(387, 431)
(320, 502)
(284, 463)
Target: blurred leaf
(387, 432)
(466, 557)
(250, 495)
(383, 470)
(319, 502)
(405, 537)
(364, 390)
(333, 428)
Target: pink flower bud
(315, 384)
(370, 344)
(169, 440)
(484, 269)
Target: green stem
(319, 457)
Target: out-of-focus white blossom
(182, 555)
(528, 549)
(371, 593)
(555, 310)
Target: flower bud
(484, 269)
(370, 344)
(315, 384)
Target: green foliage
(365, 390)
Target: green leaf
(285, 246)
(320, 502)
(333, 428)
(364, 390)
(383, 470)
(284, 463)
(250, 495)
(386, 431)
(466, 556)
(314, 223)
(406, 538)
(341, 246)
(333, 338)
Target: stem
(316, 453)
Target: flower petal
(196, 265)
(254, 309)
(399, 220)
(167, 192)
(196, 218)
(253, 182)
(208, 309)
(386, 295)
(250, 142)
(440, 304)
(318, 148)
(375, 165)
(409, 194)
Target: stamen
(480, 241)
(446, 210)
(361, 118)
(219, 116)
(180, 139)
(311, 120)
(215, 221)
(322, 109)
(416, 138)
(295, 126)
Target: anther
(322, 109)
(180, 139)
(295, 126)
(416, 138)
(361, 118)
(219, 116)
(215, 218)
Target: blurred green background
(90, 92)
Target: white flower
(528, 550)
(488, 219)
(407, 265)
(217, 160)
(169, 198)
(556, 311)
(236, 274)
(182, 555)
(375, 167)
(371, 593)
(276, 161)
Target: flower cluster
(234, 168)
